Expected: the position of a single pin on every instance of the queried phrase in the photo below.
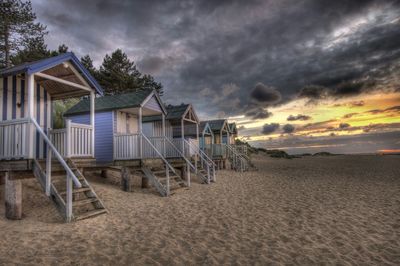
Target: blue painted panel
(103, 134)
(5, 92)
(14, 97)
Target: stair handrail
(242, 160)
(162, 158)
(202, 153)
(204, 158)
(179, 152)
(57, 154)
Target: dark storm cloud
(270, 128)
(264, 94)
(299, 117)
(344, 125)
(288, 128)
(339, 48)
(258, 113)
(393, 109)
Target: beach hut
(182, 127)
(122, 141)
(28, 144)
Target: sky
(303, 76)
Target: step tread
(90, 214)
(77, 190)
(84, 201)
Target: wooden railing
(127, 146)
(73, 141)
(14, 139)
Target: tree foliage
(18, 29)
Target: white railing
(127, 146)
(73, 141)
(80, 140)
(238, 161)
(59, 139)
(14, 139)
(70, 179)
(203, 159)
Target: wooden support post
(183, 173)
(163, 132)
(30, 113)
(68, 207)
(68, 138)
(188, 175)
(103, 173)
(92, 120)
(183, 136)
(224, 164)
(140, 132)
(126, 179)
(13, 198)
(48, 171)
(145, 182)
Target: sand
(326, 210)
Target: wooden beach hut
(30, 147)
(182, 127)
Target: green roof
(110, 102)
(216, 125)
(174, 112)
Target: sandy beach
(313, 210)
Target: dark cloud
(393, 109)
(349, 115)
(344, 125)
(258, 113)
(357, 103)
(270, 128)
(298, 117)
(288, 128)
(193, 45)
(265, 95)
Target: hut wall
(14, 102)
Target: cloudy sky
(304, 75)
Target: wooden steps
(85, 202)
(159, 180)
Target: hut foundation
(13, 197)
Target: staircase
(204, 168)
(166, 183)
(85, 202)
(239, 162)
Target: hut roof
(216, 125)
(111, 102)
(174, 112)
(47, 63)
(232, 127)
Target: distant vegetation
(279, 153)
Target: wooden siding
(14, 101)
(153, 104)
(103, 134)
(126, 123)
(154, 129)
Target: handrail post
(48, 170)
(167, 174)
(188, 174)
(68, 138)
(68, 207)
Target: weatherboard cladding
(13, 104)
(103, 134)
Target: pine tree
(118, 74)
(35, 49)
(87, 62)
(17, 28)
(149, 83)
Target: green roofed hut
(182, 127)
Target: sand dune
(327, 210)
